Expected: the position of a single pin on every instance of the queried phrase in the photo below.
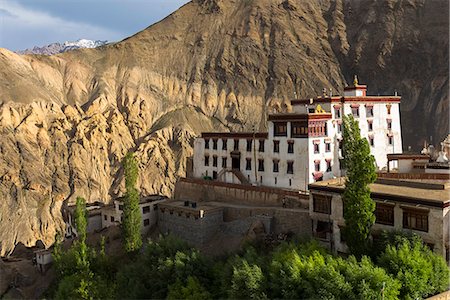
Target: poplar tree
(131, 223)
(81, 224)
(359, 208)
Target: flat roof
(259, 135)
(298, 117)
(146, 199)
(400, 156)
(420, 194)
(344, 99)
(177, 204)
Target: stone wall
(195, 231)
(205, 190)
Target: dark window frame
(299, 129)
(322, 204)
(215, 161)
(276, 166)
(146, 209)
(206, 160)
(290, 167)
(224, 144)
(290, 147)
(279, 128)
(276, 146)
(215, 142)
(261, 145)
(421, 222)
(384, 214)
(224, 162)
(249, 145)
(248, 164)
(206, 143)
(261, 165)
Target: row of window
(384, 213)
(372, 141)
(145, 209)
(275, 169)
(298, 129)
(355, 111)
(235, 145)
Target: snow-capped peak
(83, 43)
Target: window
(206, 160)
(370, 125)
(290, 146)
(316, 148)
(214, 161)
(290, 167)
(415, 219)
(261, 145)
(322, 204)
(112, 219)
(290, 182)
(249, 145)
(224, 162)
(214, 144)
(327, 147)
(339, 128)
(389, 124)
(236, 145)
(322, 229)
(337, 113)
(341, 144)
(214, 175)
(261, 165)
(206, 143)
(120, 207)
(105, 217)
(369, 111)
(146, 222)
(280, 129)
(248, 164)
(276, 146)
(371, 141)
(155, 206)
(355, 112)
(275, 180)
(384, 214)
(390, 140)
(299, 129)
(146, 209)
(388, 108)
(317, 165)
(328, 165)
(275, 165)
(224, 144)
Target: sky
(28, 23)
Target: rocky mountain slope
(56, 48)
(67, 120)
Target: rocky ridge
(67, 120)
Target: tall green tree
(132, 219)
(81, 224)
(358, 206)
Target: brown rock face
(67, 120)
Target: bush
(421, 272)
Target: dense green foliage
(421, 272)
(358, 206)
(81, 272)
(169, 268)
(132, 219)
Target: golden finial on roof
(355, 81)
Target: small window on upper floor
(214, 161)
(146, 209)
(276, 165)
(337, 113)
(248, 164)
(206, 160)
(224, 144)
(206, 143)
(388, 108)
(371, 141)
(261, 165)
(328, 165)
(214, 144)
(236, 145)
(261, 145)
(390, 140)
(291, 147)
(316, 148)
(327, 147)
(276, 146)
(370, 125)
(224, 162)
(290, 167)
(355, 112)
(249, 145)
(389, 124)
(369, 111)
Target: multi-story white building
(302, 146)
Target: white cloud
(21, 27)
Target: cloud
(22, 27)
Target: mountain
(55, 48)
(67, 120)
